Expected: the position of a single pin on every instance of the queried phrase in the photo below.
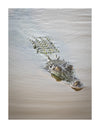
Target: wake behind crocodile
(59, 69)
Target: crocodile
(59, 69)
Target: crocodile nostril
(77, 83)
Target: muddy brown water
(33, 93)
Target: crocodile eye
(50, 66)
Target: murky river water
(33, 93)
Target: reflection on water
(33, 93)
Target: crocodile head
(59, 69)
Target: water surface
(33, 93)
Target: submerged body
(59, 69)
